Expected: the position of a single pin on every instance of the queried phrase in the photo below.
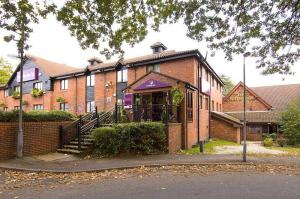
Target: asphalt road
(169, 185)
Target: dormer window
(158, 47)
(90, 80)
(123, 75)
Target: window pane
(125, 75)
(92, 80)
(88, 80)
(119, 76)
(156, 68)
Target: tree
(269, 29)
(16, 18)
(228, 84)
(290, 122)
(5, 71)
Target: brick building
(79, 90)
(262, 106)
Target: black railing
(153, 112)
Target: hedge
(36, 116)
(133, 138)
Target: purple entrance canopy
(152, 84)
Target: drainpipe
(186, 120)
(198, 110)
(209, 113)
(76, 104)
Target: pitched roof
(225, 117)
(256, 116)
(258, 97)
(278, 96)
(53, 69)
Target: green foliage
(124, 116)
(268, 142)
(143, 137)
(177, 96)
(24, 103)
(290, 123)
(5, 71)
(281, 142)
(2, 104)
(270, 135)
(37, 92)
(228, 84)
(60, 100)
(36, 116)
(16, 95)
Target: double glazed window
(17, 88)
(190, 106)
(154, 67)
(6, 92)
(206, 104)
(38, 85)
(63, 107)
(64, 84)
(90, 80)
(90, 106)
(122, 75)
(16, 108)
(213, 105)
(38, 107)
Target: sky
(52, 41)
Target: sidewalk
(67, 163)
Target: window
(201, 68)
(200, 102)
(213, 105)
(122, 75)
(38, 85)
(206, 104)
(17, 88)
(16, 108)
(190, 106)
(154, 67)
(90, 80)
(217, 106)
(206, 73)
(90, 106)
(63, 84)
(220, 108)
(6, 92)
(213, 82)
(5, 109)
(63, 106)
(38, 107)
(217, 86)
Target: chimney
(94, 61)
(158, 47)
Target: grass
(290, 150)
(209, 147)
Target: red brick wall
(235, 102)
(226, 131)
(39, 138)
(174, 134)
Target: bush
(268, 142)
(281, 142)
(36, 116)
(136, 138)
(290, 123)
(270, 135)
(37, 92)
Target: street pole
(20, 132)
(244, 99)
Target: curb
(131, 167)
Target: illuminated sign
(152, 84)
(28, 74)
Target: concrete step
(85, 140)
(69, 151)
(85, 143)
(69, 146)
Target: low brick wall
(39, 138)
(226, 131)
(174, 137)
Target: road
(167, 184)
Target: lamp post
(247, 54)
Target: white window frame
(16, 107)
(122, 75)
(90, 80)
(17, 88)
(63, 107)
(90, 106)
(6, 92)
(38, 107)
(5, 109)
(38, 85)
(154, 67)
(64, 84)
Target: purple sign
(152, 84)
(128, 99)
(28, 74)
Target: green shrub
(124, 117)
(281, 142)
(36, 116)
(268, 142)
(290, 123)
(136, 138)
(37, 92)
(270, 135)
(106, 140)
(16, 95)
